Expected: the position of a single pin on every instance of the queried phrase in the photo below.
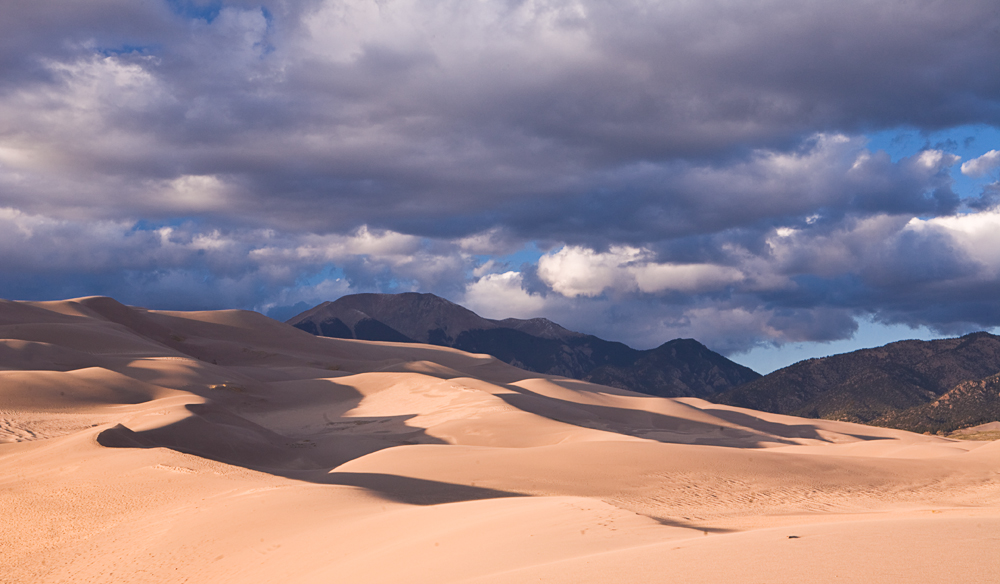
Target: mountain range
(678, 368)
(922, 386)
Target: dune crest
(152, 446)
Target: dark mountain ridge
(678, 368)
(926, 386)
(966, 405)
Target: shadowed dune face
(227, 447)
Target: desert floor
(144, 446)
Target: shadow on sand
(214, 433)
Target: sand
(147, 446)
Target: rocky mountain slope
(678, 368)
(968, 404)
(925, 386)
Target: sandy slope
(140, 446)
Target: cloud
(373, 259)
(180, 266)
(328, 115)
(576, 271)
(975, 235)
(810, 282)
(684, 168)
(978, 167)
(503, 296)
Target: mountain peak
(683, 367)
(413, 316)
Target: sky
(779, 179)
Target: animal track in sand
(700, 498)
(171, 468)
(40, 426)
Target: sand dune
(145, 446)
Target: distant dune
(145, 446)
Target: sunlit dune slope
(150, 446)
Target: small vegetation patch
(991, 435)
(228, 386)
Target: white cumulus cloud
(577, 271)
(503, 296)
(975, 235)
(978, 167)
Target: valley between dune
(153, 446)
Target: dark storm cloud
(381, 139)
(367, 107)
(829, 175)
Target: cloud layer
(684, 168)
